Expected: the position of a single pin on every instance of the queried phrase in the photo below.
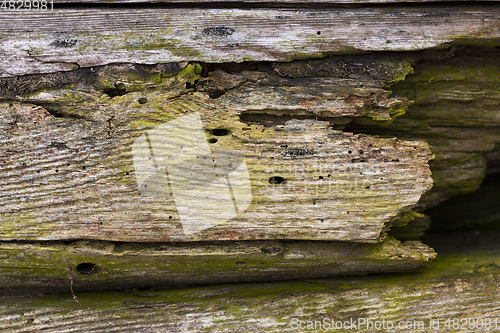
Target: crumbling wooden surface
(83, 185)
(63, 39)
(456, 109)
(350, 133)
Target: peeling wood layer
(62, 40)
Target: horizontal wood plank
(64, 39)
(50, 267)
(83, 182)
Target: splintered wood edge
(62, 39)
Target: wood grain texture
(456, 109)
(82, 181)
(43, 268)
(461, 285)
(63, 39)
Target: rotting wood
(50, 267)
(460, 285)
(456, 109)
(342, 187)
(65, 41)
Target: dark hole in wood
(126, 173)
(320, 177)
(86, 268)
(349, 152)
(142, 100)
(361, 152)
(220, 132)
(212, 140)
(113, 92)
(277, 180)
(190, 85)
(319, 33)
(216, 93)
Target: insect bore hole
(277, 180)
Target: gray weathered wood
(35, 42)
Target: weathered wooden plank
(63, 39)
(83, 184)
(461, 285)
(45, 267)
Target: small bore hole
(212, 140)
(349, 152)
(86, 268)
(361, 152)
(220, 132)
(142, 100)
(119, 90)
(57, 170)
(277, 180)
(318, 33)
(320, 177)
(170, 217)
(126, 173)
